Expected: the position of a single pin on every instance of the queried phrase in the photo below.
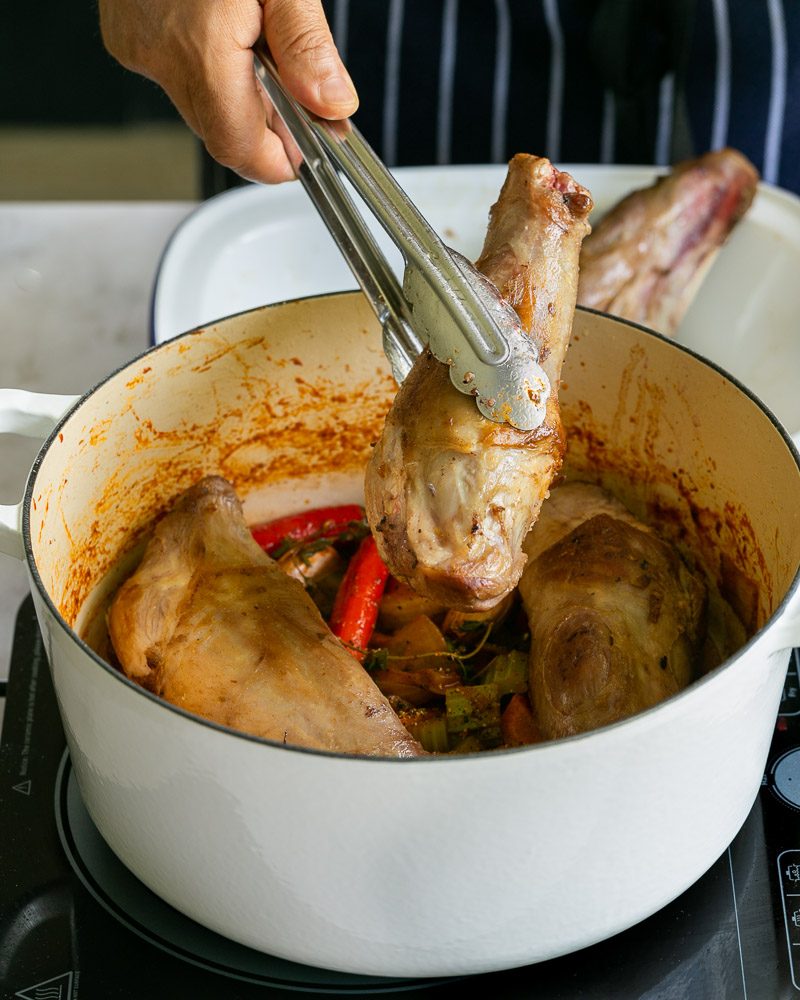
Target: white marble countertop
(75, 285)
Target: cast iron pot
(429, 867)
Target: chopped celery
(474, 711)
(509, 671)
(432, 734)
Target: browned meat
(646, 259)
(451, 495)
(615, 614)
(213, 625)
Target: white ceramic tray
(254, 245)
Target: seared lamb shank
(450, 495)
(646, 259)
(615, 614)
(209, 622)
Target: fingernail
(337, 92)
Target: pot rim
(551, 746)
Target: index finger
(232, 116)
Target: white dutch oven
(394, 867)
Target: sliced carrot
(355, 609)
(518, 723)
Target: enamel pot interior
(285, 402)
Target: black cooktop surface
(76, 925)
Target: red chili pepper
(355, 609)
(323, 522)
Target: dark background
(54, 71)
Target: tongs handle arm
(409, 231)
(419, 243)
(464, 321)
(343, 220)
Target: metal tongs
(444, 302)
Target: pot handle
(33, 414)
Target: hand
(199, 52)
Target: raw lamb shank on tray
(450, 495)
(647, 258)
(212, 624)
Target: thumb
(302, 46)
